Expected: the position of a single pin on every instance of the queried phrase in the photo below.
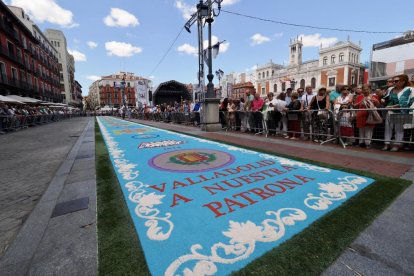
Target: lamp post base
(210, 115)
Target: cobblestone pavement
(29, 160)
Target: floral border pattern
(333, 192)
(288, 162)
(138, 194)
(243, 239)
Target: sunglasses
(395, 81)
(346, 89)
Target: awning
(9, 100)
(24, 99)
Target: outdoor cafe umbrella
(9, 100)
(24, 99)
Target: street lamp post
(209, 112)
(123, 96)
(219, 75)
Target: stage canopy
(171, 91)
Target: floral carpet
(205, 208)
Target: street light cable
(166, 53)
(308, 26)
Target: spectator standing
(400, 97)
(306, 118)
(321, 104)
(363, 102)
(257, 105)
(335, 94)
(294, 118)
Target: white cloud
(214, 39)
(254, 67)
(93, 77)
(187, 49)
(186, 10)
(259, 39)
(78, 56)
(315, 40)
(151, 77)
(229, 2)
(121, 49)
(120, 18)
(92, 44)
(46, 10)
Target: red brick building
(28, 63)
(111, 89)
(240, 89)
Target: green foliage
(119, 249)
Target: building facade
(338, 63)
(110, 88)
(66, 67)
(93, 95)
(28, 62)
(392, 57)
(239, 90)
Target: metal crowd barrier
(321, 126)
(396, 127)
(10, 123)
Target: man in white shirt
(306, 118)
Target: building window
(263, 90)
(313, 83)
(341, 57)
(275, 88)
(14, 74)
(331, 81)
(283, 86)
(325, 60)
(333, 59)
(267, 74)
(353, 80)
(3, 72)
(302, 83)
(273, 72)
(263, 75)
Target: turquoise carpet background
(208, 208)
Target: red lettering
(160, 189)
(243, 195)
(261, 193)
(287, 181)
(256, 176)
(215, 206)
(215, 186)
(177, 197)
(289, 168)
(276, 171)
(304, 178)
(246, 179)
(178, 184)
(283, 189)
(231, 203)
(191, 181)
(232, 185)
(218, 174)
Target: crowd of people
(360, 113)
(16, 116)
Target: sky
(109, 36)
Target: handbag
(373, 118)
(322, 114)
